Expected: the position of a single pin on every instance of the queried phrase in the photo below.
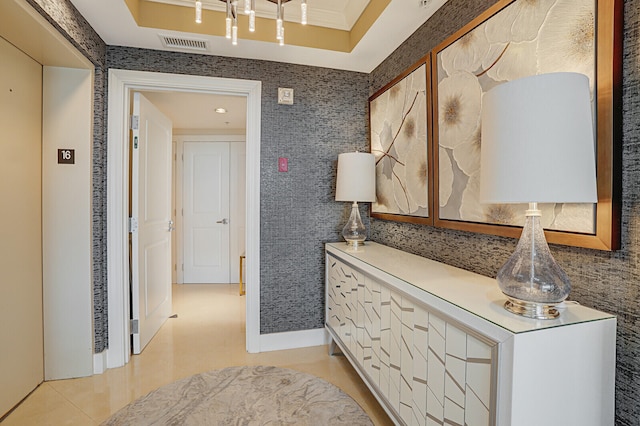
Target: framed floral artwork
(399, 118)
(515, 39)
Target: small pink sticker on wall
(283, 164)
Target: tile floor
(208, 334)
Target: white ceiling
(114, 24)
(196, 111)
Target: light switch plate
(283, 164)
(285, 96)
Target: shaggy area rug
(244, 396)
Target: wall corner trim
(100, 362)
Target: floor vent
(191, 44)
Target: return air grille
(181, 43)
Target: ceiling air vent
(181, 43)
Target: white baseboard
(268, 343)
(100, 362)
(293, 339)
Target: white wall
(66, 223)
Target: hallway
(208, 334)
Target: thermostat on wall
(285, 96)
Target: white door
(206, 212)
(151, 213)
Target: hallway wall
(298, 213)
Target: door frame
(121, 85)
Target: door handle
(171, 227)
(223, 221)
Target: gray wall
(603, 280)
(297, 210)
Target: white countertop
(472, 292)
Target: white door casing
(151, 223)
(121, 84)
(237, 212)
(174, 213)
(206, 212)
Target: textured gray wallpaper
(603, 280)
(298, 213)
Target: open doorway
(209, 187)
(195, 232)
(121, 85)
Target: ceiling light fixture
(198, 12)
(279, 24)
(234, 26)
(221, 110)
(303, 12)
(227, 33)
(252, 13)
(231, 19)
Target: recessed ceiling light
(221, 110)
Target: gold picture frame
(400, 139)
(510, 40)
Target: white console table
(435, 346)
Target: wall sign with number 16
(66, 156)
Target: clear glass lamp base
(531, 279)
(354, 231)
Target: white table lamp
(537, 147)
(356, 181)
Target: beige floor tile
(208, 334)
(45, 406)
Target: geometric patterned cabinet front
(436, 348)
(427, 369)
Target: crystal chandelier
(231, 20)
